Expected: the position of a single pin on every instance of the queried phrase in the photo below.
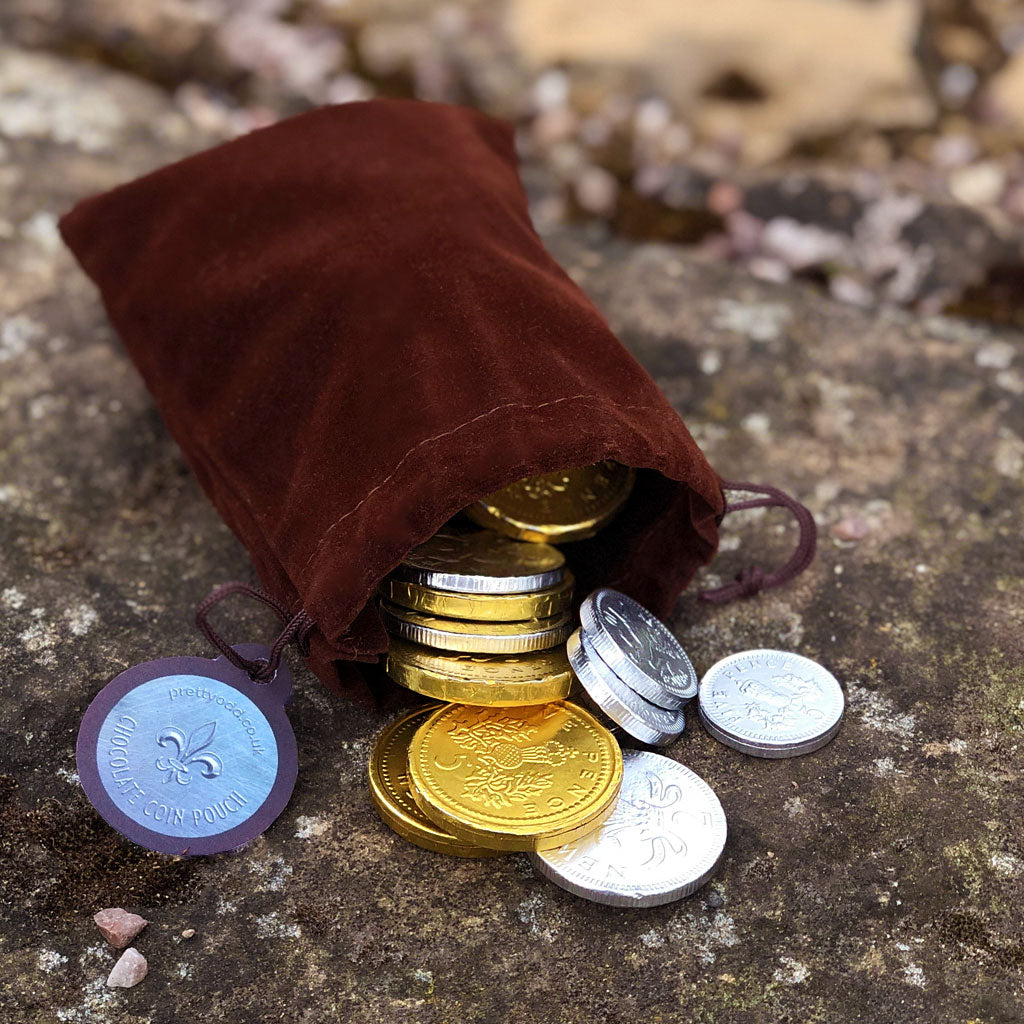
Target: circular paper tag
(188, 755)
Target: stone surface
(129, 970)
(877, 880)
(118, 926)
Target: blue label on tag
(188, 755)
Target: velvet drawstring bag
(353, 331)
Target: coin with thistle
(515, 778)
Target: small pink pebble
(129, 970)
(851, 528)
(118, 926)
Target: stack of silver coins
(631, 667)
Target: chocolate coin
(638, 717)
(482, 563)
(639, 648)
(566, 505)
(771, 703)
(515, 778)
(663, 841)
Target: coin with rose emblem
(771, 703)
(662, 842)
(639, 648)
(515, 778)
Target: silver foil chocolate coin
(771, 703)
(639, 648)
(482, 563)
(639, 718)
(663, 841)
(189, 755)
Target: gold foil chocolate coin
(515, 778)
(492, 680)
(475, 637)
(570, 504)
(389, 790)
(540, 604)
(481, 562)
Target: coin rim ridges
(639, 896)
(615, 658)
(611, 703)
(804, 743)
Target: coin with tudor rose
(663, 841)
(771, 703)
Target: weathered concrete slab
(878, 880)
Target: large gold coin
(475, 637)
(570, 504)
(480, 562)
(491, 680)
(481, 607)
(389, 790)
(515, 778)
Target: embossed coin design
(389, 790)
(515, 778)
(493, 680)
(540, 604)
(188, 755)
(482, 563)
(771, 703)
(663, 841)
(475, 637)
(638, 717)
(567, 505)
(639, 648)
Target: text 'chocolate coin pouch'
(353, 332)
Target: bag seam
(432, 440)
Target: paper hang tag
(189, 756)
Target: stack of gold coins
(479, 620)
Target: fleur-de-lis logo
(178, 766)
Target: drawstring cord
(296, 629)
(753, 579)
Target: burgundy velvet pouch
(353, 331)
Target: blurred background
(870, 147)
